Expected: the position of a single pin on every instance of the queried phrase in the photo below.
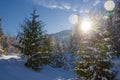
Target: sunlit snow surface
(9, 57)
(12, 68)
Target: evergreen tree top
(34, 15)
(0, 18)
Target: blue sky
(54, 13)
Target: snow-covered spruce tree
(74, 38)
(94, 62)
(35, 44)
(47, 50)
(116, 29)
(1, 38)
(1, 32)
(74, 42)
(59, 56)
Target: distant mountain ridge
(62, 36)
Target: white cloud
(73, 5)
(81, 11)
(87, 11)
(66, 7)
(96, 2)
(53, 4)
(74, 9)
(84, 11)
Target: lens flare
(109, 5)
(73, 19)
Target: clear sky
(54, 13)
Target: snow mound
(12, 68)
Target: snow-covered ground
(116, 67)
(12, 68)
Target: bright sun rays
(85, 26)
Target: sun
(85, 26)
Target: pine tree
(74, 38)
(1, 32)
(94, 56)
(35, 44)
(59, 56)
(47, 50)
(1, 38)
(115, 32)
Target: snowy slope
(12, 68)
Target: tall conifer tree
(94, 56)
(1, 33)
(116, 30)
(35, 44)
